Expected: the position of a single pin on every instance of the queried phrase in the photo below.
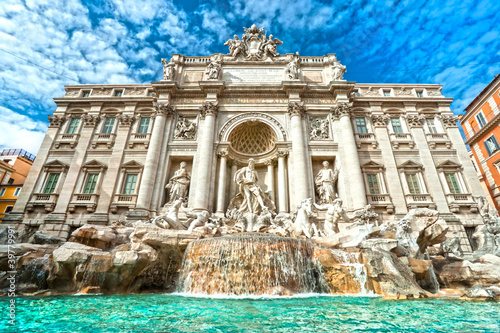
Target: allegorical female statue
(326, 181)
(179, 184)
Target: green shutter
(373, 185)
(144, 125)
(453, 185)
(50, 185)
(90, 183)
(361, 125)
(413, 184)
(130, 182)
(108, 126)
(73, 126)
(396, 125)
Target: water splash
(352, 260)
(250, 264)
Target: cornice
(484, 130)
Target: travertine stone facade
(115, 147)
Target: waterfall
(250, 264)
(37, 270)
(352, 261)
(95, 271)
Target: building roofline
(482, 93)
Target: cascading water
(352, 261)
(250, 264)
(37, 270)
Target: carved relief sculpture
(319, 129)
(325, 181)
(56, 121)
(178, 185)
(168, 70)
(236, 46)
(185, 129)
(338, 71)
(213, 69)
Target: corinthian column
(282, 191)
(203, 181)
(299, 153)
(221, 192)
(349, 152)
(270, 178)
(163, 110)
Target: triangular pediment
(94, 164)
(448, 165)
(410, 165)
(372, 164)
(56, 163)
(132, 164)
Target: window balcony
(459, 200)
(88, 201)
(438, 139)
(381, 200)
(104, 139)
(138, 139)
(48, 201)
(123, 200)
(419, 200)
(402, 139)
(70, 140)
(366, 139)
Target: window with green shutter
(413, 183)
(51, 183)
(108, 126)
(90, 183)
(373, 184)
(73, 126)
(453, 185)
(396, 125)
(130, 183)
(144, 125)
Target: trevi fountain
(308, 255)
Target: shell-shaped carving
(252, 137)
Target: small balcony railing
(107, 139)
(366, 138)
(88, 200)
(123, 200)
(419, 200)
(398, 139)
(139, 138)
(69, 139)
(459, 198)
(47, 200)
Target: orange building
(14, 167)
(481, 127)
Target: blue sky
(45, 44)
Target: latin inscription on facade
(252, 75)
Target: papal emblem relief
(254, 45)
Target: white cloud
(19, 131)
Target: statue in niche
(213, 69)
(251, 198)
(319, 129)
(168, 70)
(270, 46)
(236, 46)
(338, 71)
(292, 69)
(178, 185)
(325, 181)
(184, 129)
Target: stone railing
(366, 138)
(435, 139)
(398, 139)
(196, 60)
(139, 138)
(124, 201)
(47, 200)
(84, 200)
(459, 198)
(107, 139)
(381, 200)
(69, 139)
(419, 200)
(311, 60)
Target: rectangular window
(73, 126)
(413, 184)
(491, 145)
(8, 209)
(451, 179)
(118, 93)
(2, 192)
(361, 125)
(373, 185)
(420, 93)
(16, 192)
(50, 185)
(387, 93)
(481, 120)
(86, 94)
(144, 125)
(396, 125)
(90, 183)
(431, 125)
(130, 182)
(108, 126)
(150, 93)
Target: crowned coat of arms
(254, 45)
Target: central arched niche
(252, 138)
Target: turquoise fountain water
(171, 313)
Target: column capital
(90, 120)
(222, 153)
(270, 162)
(341, 109)
(296, 109)
(449, 121)
(56, 121)
(126, 120)
(415, 121)
(209, 108)
(163, 108)
(380, 120)
(282, 153)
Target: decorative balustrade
(47, 200)
(398, 139)
(107, 139)
(419, 200)
(67, 139)
(435, 139)
(88, 200)
(139, 138)
(381, 200)
(123, 200)
(366, 138)
(196, 60)
(311, 60)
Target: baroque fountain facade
(254, 173)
